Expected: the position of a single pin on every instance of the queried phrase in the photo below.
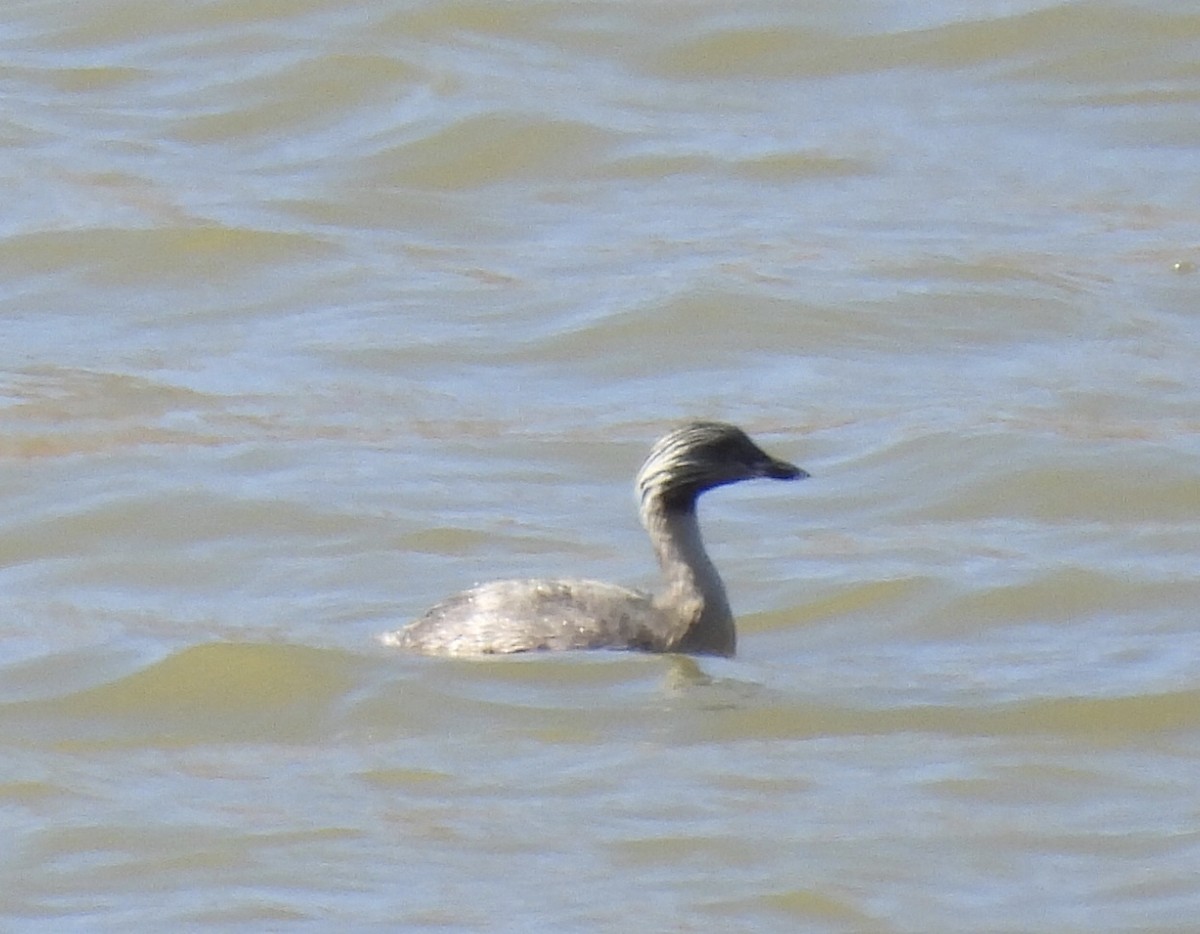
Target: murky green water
(311, 314)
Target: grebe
(689, 614)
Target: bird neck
(693, 592)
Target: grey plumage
(689, 614)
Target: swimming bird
(689, 614)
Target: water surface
(311, 314)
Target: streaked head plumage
(700, 455)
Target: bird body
(690, 613)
